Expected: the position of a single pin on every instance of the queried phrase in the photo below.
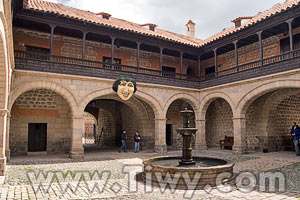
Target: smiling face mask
(125, 90)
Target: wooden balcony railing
(65, 65)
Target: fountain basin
(209, 168)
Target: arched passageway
(114, 115)
(174, 121)
(218, 122)
(269, 119)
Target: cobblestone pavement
(17, 184)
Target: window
(210, 72)
(37, 52)
(168, 71)
(117, 61)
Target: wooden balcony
(72, 66)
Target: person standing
(137, 139)
(295, 131)
(123, 140)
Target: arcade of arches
(44, 117)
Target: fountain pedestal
(186, 132)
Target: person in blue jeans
(295, 131)
(137, 139)
(123, 140)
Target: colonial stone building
(58, 69)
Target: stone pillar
(239, 132)
(3, 127)
(160, 136)
(7, 149)
(200, 143)
(76, 146)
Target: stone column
(200, 143)
(3, 127)
(239, 131)
(160, 136)
(7, 149)
(76, 146)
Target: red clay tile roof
(65, 11)
(69, 12)
(277, 8)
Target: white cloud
(210, 16)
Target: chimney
(104, 15)
(190, 29)
(149, 26)
(238, 21)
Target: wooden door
(37, 137)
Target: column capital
(77, 117)
(200, 120)
(3, 112)
(235, 42)
(199, 57)
(52, 26)
(259, 33)
(160, 119)
(289, 21)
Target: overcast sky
(210, 16)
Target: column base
(76, 154)
(7, 154)
(2, 166)
(161, 149)
(239, 149)
(200, 147)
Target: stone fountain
(186, 165)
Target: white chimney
(104, 15)
(149, 26)
(190, 29)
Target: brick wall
(218, 122)
(72, 47)
(40, 106)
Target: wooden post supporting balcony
(112, 49)
(236, 54)
(83, 46)
(181, 64)
(138, 44)
(216, 61)
(161, 60)
(261, 54)
(289, 22)
(199, 66)
(51, 38)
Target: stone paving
(17, 184)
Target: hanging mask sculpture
(125, 87)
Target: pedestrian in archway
(123, 140)
(295, 131)
(137, 139)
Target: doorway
(37, 137)
(169, 140)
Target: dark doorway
(37, 137)
(169, 140)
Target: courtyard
(17, 184)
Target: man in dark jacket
(295, 131)
(137, 139)
(123, 140)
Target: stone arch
(67, 95)
(248, 98)
(4, 71)
(186, 97)
(210, 98)
(154, 104)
